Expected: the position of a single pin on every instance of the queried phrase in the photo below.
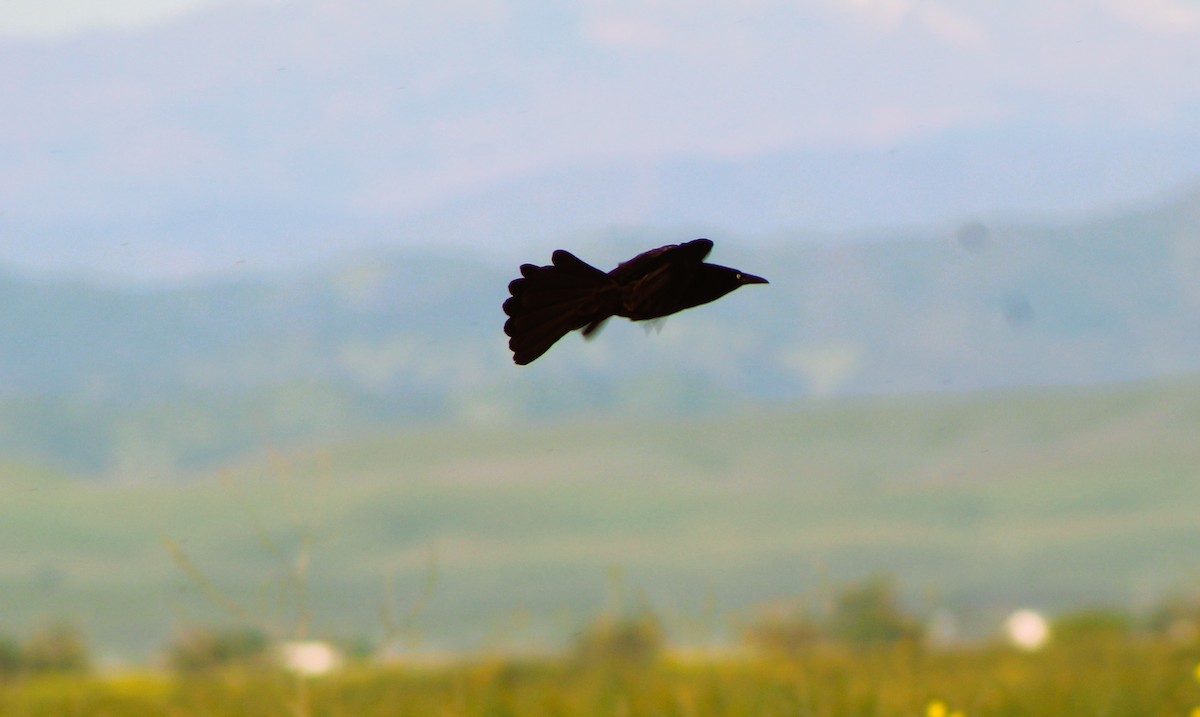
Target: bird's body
(548, 302)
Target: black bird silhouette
(548, 302)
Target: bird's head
(715, 281)
(744, 278)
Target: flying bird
(549, 302)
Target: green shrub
(621, 640)
(196, 648)
(59, 647)
(11, 661)
(1092, 625)
(785, 632)
(869, 612)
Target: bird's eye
(738, 276)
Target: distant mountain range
(269, 136)
(828, 196)
(1001, 173)
(141, 382)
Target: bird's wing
(654, 283)
(692, 252)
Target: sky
(57, 19)
(173, 136)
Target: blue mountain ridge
(90, 373)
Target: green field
(977, 504)
(1144, 680)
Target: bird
(548, 302)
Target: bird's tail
(548, 302)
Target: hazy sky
(173, 127)
(48, 19)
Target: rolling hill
(977, 503)
(130, 382)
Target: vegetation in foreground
(1137, 679)
(863, 656)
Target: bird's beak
(752, 279)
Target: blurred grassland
(981, 503)
(1118, 679)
